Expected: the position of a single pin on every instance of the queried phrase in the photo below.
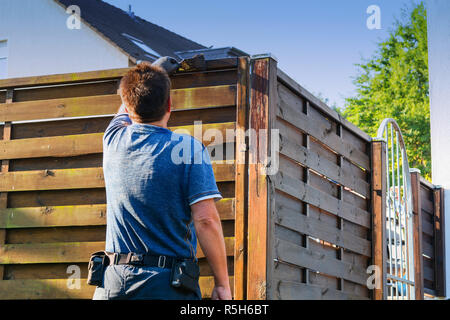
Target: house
(42, 37)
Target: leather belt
(141, 260)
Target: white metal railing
(399, 219)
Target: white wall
(439, 65)
(39, 42)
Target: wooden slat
(286, 111)
(242, 105)
(82, 215)
(262, 95)
(379, 246)
(58, 289)
(439, 241)
(7, 129)
(182, 99)
(75, 145)
(417, 235)
(322, 165)
(66, 252)
(96, 75)
(308, 258)
(293, 220)
(77, 178)
(322, 200)
(289, 290)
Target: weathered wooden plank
(75, 145)
(65, 252)
(317, 229)
(59, 289)
(77, 178)
(7, 128)
(307, 258)
(286, 111)
(322, 200)
(241, 178)
(417, 235)
(439, 241)
(379, 246)
(63, 78)
(82, 215)
(182, 99)
(321, 165)
(262, 77)
(289, 290)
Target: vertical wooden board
(439, 243)
(242, 106)
(379, 254)
(261, 81)
(417, 235)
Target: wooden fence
(52, 195)
(429, 233)
(305, 231)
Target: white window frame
(5, 57)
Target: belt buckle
(162, 264)
(137, 259)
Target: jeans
(126, 282)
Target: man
(157, 205)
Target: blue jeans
(140, 283)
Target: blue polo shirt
(152, 177)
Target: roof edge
(101, 34)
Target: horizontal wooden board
(289, 290)
(58, 289)
(66, 252)
(311, 259)
(317, 229)
(83, 215)
(77, 178)
(322, 133)
(321, 165)
(182, 99)
(322, 200)
(75, 145)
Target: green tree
(394, 84)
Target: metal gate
(399, 219)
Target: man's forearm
(210, 237)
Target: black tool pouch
(185, 275)
(97, 264)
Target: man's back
(150, 188)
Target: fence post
(379, 249)
(263, 81)
(439, 244)
(417, 233)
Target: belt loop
(116, 258)
(163, 263)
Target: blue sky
(317, 42)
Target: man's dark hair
(145, 89)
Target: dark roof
(138, 38)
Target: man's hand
(210, 236)
(221, 293)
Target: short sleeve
(201, 184)
(118, 122)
